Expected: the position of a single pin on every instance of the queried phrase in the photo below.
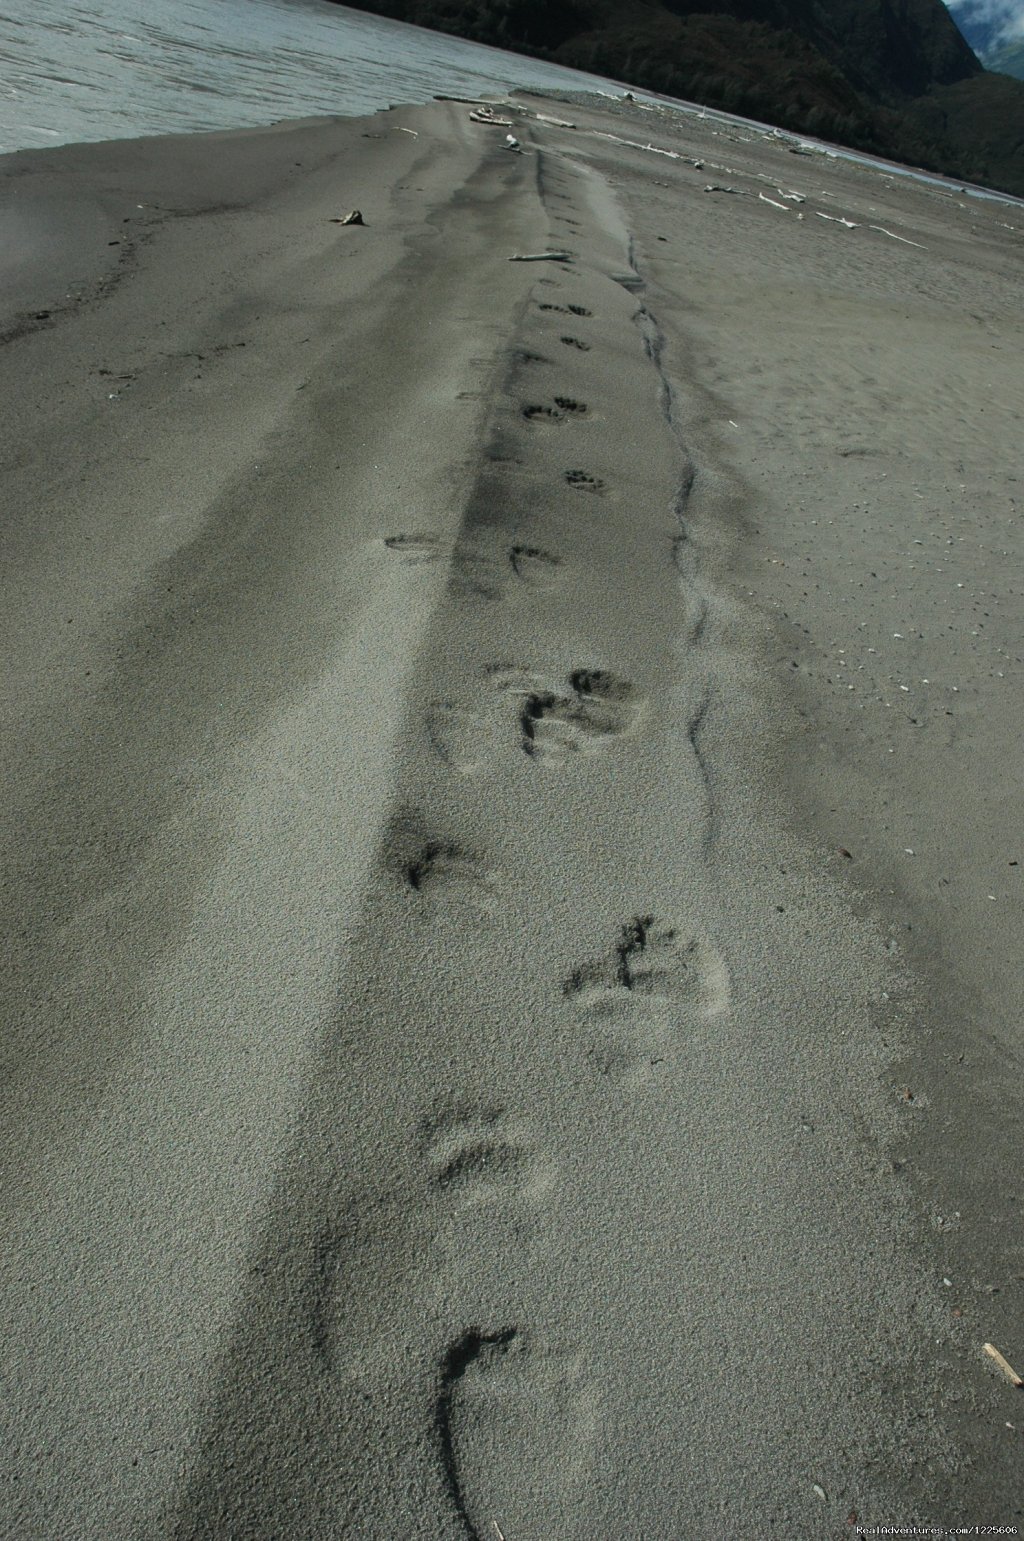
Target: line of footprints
(515, 1418)
(499, 1389)
(531, 565)
(641, 1000)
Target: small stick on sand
(497, 1528)
(895, 237)
(542, 256)
(1007, 1369)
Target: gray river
(115, 69)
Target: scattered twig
(774, 204)
(542, 256)
(836, 220)
(634, 144)
(892, 236)
(413, 131)
(1007, 1369)
(498, 1531)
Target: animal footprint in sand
(564, 406)
(434, 867)
(440, 865)
(534, 566)
(643, 989)
(475, 1151)
(574, 342)
(554, 725)
(414, 549)
(516, 1425)
(584, 482)
(481, 574)
(566, 310)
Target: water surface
(116, 69)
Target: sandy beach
(510, 836)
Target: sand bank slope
(447, 1095)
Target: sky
(1002, 20)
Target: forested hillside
(893, 77)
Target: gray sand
(480, 1056)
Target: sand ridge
(550, 1144)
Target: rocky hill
(894, 77)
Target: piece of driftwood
(542, 256)
(1007, 1368)
(894, 237)
(355, 218)
(486, 117)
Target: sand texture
(509, 836)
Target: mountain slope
(893, 77)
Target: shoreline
(442, 703)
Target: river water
(114, 69)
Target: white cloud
(1005, 17)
